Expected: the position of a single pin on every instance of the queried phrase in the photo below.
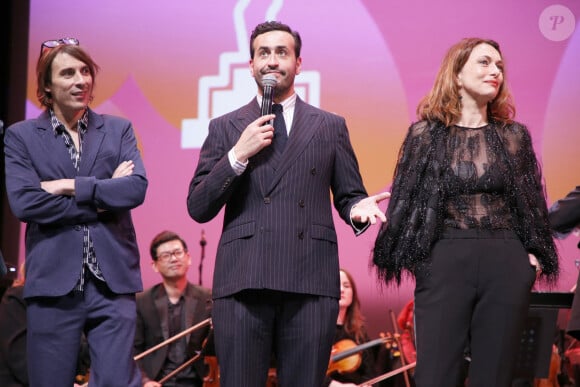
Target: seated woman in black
(350, 327)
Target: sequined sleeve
(414, 211)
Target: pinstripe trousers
(250, 326)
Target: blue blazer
(278, 230)
(54, 236)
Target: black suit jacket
(278, 230)
(152, 326)
(564, 217)
(565, 213)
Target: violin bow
(402, 355)
(351, 351)
(388, 375)
(199, 325)
(188, 362)
(179, 369)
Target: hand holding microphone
(260, 133)
(268, 83)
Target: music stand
(535, 351)
(3, 269)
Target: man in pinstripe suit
(276, 279)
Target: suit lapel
(263, 162)
(304, 125)
(54, 146)
(160, 300)
(269, 165)
(246, 115)
(190, 308)
(92, 143)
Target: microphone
(269, 83)
(202, 243)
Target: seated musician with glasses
(166, 310)
(73, 176)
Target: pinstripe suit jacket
(278, 230)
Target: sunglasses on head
(58, 42)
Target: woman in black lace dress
(468, 219)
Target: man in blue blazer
(276, 280)
(73, 176)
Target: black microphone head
(268, 83)
(269, 80)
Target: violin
(212, 379)
(392, 345)
(345, 356)
(347, 363)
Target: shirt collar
(58, 126)
(287, 104)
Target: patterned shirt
(89, 258)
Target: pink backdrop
(171, 66)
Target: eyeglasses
(58, 42)
(179, 253)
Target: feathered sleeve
(413, 213)
(531, 212)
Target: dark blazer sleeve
(148, 333)
(34, 154)
(214, 180)
(346, 184)
(27, 153)
(200, 299)
(97, 187)
(564, 214)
